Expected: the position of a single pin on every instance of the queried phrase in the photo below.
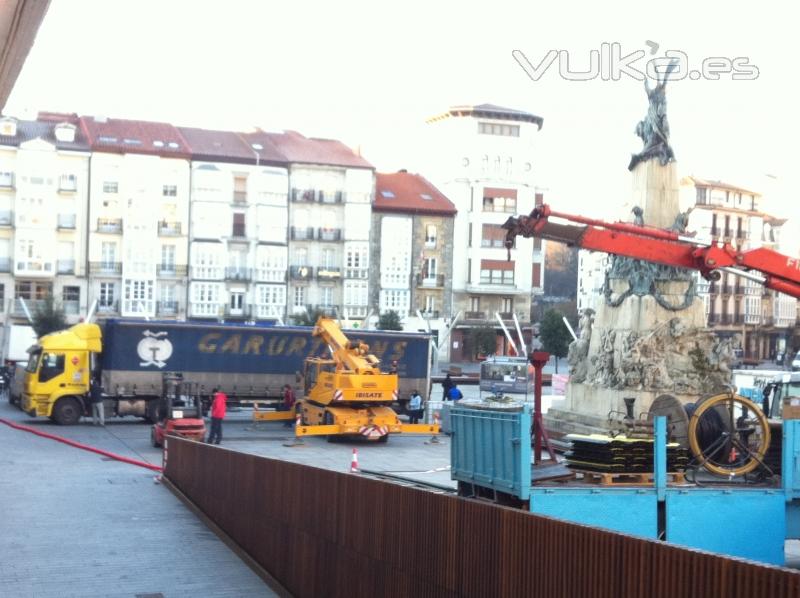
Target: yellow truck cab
(58, 373)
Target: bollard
(354, 462)
(436, 422)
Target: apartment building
(138, 217)
(736, 307)
(44, 181)
(330, 195)
(482, 161)
(411, 251)
(238, 227)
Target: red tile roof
(118, 135)
(227, 146)
(306, 150)
(406, 192)
(698, 182)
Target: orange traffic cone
(354, 462)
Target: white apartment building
(138, 218)
(482, 161)
(239, 218)
(44, 167)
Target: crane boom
(778, 272)
(349, 356)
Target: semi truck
(249, 363)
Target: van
(796, 362)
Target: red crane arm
(779, 272)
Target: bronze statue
(654, 128)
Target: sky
(370, 73)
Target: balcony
(66, 221)
(67, 184)
(239, 231)
(34, 267)
(107, 306)
(327, 310)
(727, 289)
(238, 312)
(506, 315)
(325, 273)
(475, 315)
(358, 273)
(5, 264)
(6, 218)
(300, 195)
(301, 272)
(109, 225)
(240, 197)
(430, 282)
(171, 270)
(65, 267)
(169, 229)
(329, 234)
(301, 234)
(167, 308)
(235, 273)
(105, 268)
(331, 196)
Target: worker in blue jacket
(454, 394)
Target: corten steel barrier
(323, 533)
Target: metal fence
(323, 533)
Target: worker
(454, 394)
(218, 405)
(289, 400)
(96, 396)
(447, 385)
(415, 407)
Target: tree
(483, 340)
(48, 317)
(554, 334)
(308, 318)
(390, 320)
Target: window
(238, 224)
(240, 189)
(355, 293)
(52, 366)
(429, 268)
(237, 302)
(430, 304)
(430, 236)
(2, 297)
(499, 204)
(497, 272)
(395, 299)
(108, 254)
(301, 256)
(167, 294)
(701, 195)
(387, 194)
(498, 129)
(327, 259)
(271, 295)
(106, 294)
(474, 303)
(71, 293)
(6, 179)
(326, 294)
(68, 182)
(110, 187)
(299, 296)
(170, 191)
(507, 305)
(494, 235)
(168, 258)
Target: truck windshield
(33, 362)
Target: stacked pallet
(599, 453)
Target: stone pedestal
(654, 189)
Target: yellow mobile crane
(348, 394)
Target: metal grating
(323, 533)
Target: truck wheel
(67, 411)
(384, 438)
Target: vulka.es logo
(610, 64)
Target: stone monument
(647, 335)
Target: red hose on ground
(84, 447)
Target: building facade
(412, 253)
(483, 164)
(44, 181)
(759, 319)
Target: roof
(227, 146)
(406, 192)
(698, 182)
(299, 149)
(117, 135)
(741, 211)
(490, 111)
(32, 129)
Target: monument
(647, 334)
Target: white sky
(369, 73)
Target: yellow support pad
(321, 430)
(273, 416)
(419, 428)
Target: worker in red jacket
(217, 415)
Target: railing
(66, 221)
(237, 312)
(169, 229)
(167, 308)
(359, 273)
(240, 197)
(114, 268)
(171, 270)
(301, 234)
(109, 225)
(65, 267)
(6, 218)
(331, 196)
(727, 289)
(303, 195)
(107, 307)
(434, 314)
(234, 273)
(301, 272)
(270, 275)
(430, 281)
(5, 264)
(506, 315)
(325, 273)
(239, 231)
(475, 315)
(329, 234)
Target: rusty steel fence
(323, 533)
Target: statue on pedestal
(654, 128)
